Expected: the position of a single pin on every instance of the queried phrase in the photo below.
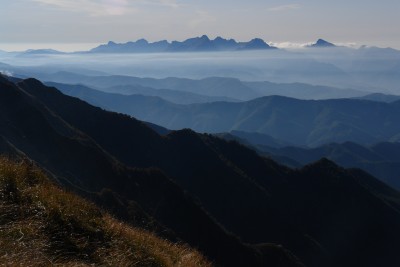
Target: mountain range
(381, 160)
(197, 187)
(384, 166)
(299, 122)
(197, 44)
(213, 88)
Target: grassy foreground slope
(43, 225)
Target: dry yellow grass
(43, 225)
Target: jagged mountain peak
(201, 43)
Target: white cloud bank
(6, 72)
(294, 45)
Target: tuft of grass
(44, 225)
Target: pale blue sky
(95, 21)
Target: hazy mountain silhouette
(141, 45)
(213, 86)
(354, 223)
(254, 139)
(174, 96)
(197, 44)
(369, 69)
(216, 87)
(381, 97)
(255, 44)
(41, 52)
(303, 91)
(322, 43)
(299, 122)
(381, 160)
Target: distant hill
(174, 96)
(303, 91)
(215, 88)
(380, 97)
(381, 160)
(197, 44)
(219, 88)
(41, 52)
(298, 122)
(322, 43)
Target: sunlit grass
(43, 225)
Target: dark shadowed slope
(78, 162)
(326, 215)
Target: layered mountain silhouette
(216, 88)
(381, 97)
(174, 96)
(382, 159)
(197, 44)
(41, 52)
(298, 122)
(325, 215)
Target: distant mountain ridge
(197, 44)
(215, 88)
(299, 122)
(381, 160)
(322, 43)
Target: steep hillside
(44, 225)
(252, 196)
(144, 197)
(325, 215)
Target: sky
(75, 24)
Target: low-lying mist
(367, 69)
